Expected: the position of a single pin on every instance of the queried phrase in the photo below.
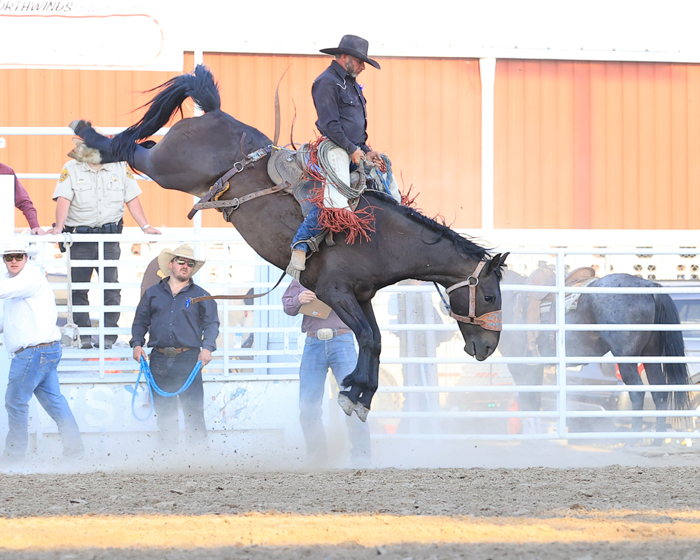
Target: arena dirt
(648, 507)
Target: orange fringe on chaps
(356, 225)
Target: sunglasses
(183, 262)
(17, 257)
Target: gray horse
(611, 309)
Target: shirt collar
(166, 285)
(340, 71)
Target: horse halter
(491, 321)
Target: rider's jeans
(309, 228)
(33, 371)
(340, 356)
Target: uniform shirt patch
(64, 175)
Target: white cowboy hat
(184, 251)
(14, 246)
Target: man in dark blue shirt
(342, 118)
(180, 336)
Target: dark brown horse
(405, 244)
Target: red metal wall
(597, 145)
(424, 113)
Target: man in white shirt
(34, 342)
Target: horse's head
(476, 305)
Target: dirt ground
(641, 503)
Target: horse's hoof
(362, 411)
(346, 404)
(79, 125)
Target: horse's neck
(447, 264)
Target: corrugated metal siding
(597, 145)
(55, 98)
(424, 113)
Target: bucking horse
(217, 150)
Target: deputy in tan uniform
(91, 198)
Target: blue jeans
(340, 356)
(34, 371)
(309, 228)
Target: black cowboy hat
(354, 46)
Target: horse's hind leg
(630, 376)
(94, 140)
(656, 377)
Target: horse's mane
(443, 231)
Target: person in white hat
(180, 336)
(34, 342)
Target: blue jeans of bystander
(34, 371)
(340, 356)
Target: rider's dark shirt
(171, 323)
(340, 105)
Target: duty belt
(114, 227)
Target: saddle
(286, 165)
(290, 167)
(287, 169)
(577, 278)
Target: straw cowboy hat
(184, 251)
(354, 46)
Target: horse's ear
(494, 263)
(503, 259)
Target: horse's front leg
(345, 304)
(363, 406)
(630, 376)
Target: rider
(342, 118)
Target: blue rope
(153, 386)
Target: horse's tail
(671, 343)
(199, 85)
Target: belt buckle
(324, 334)
(170, 352)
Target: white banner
(105, 34)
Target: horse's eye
(489, 299)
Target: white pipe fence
(276, 354)
(95, 366)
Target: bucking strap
(234, 203)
